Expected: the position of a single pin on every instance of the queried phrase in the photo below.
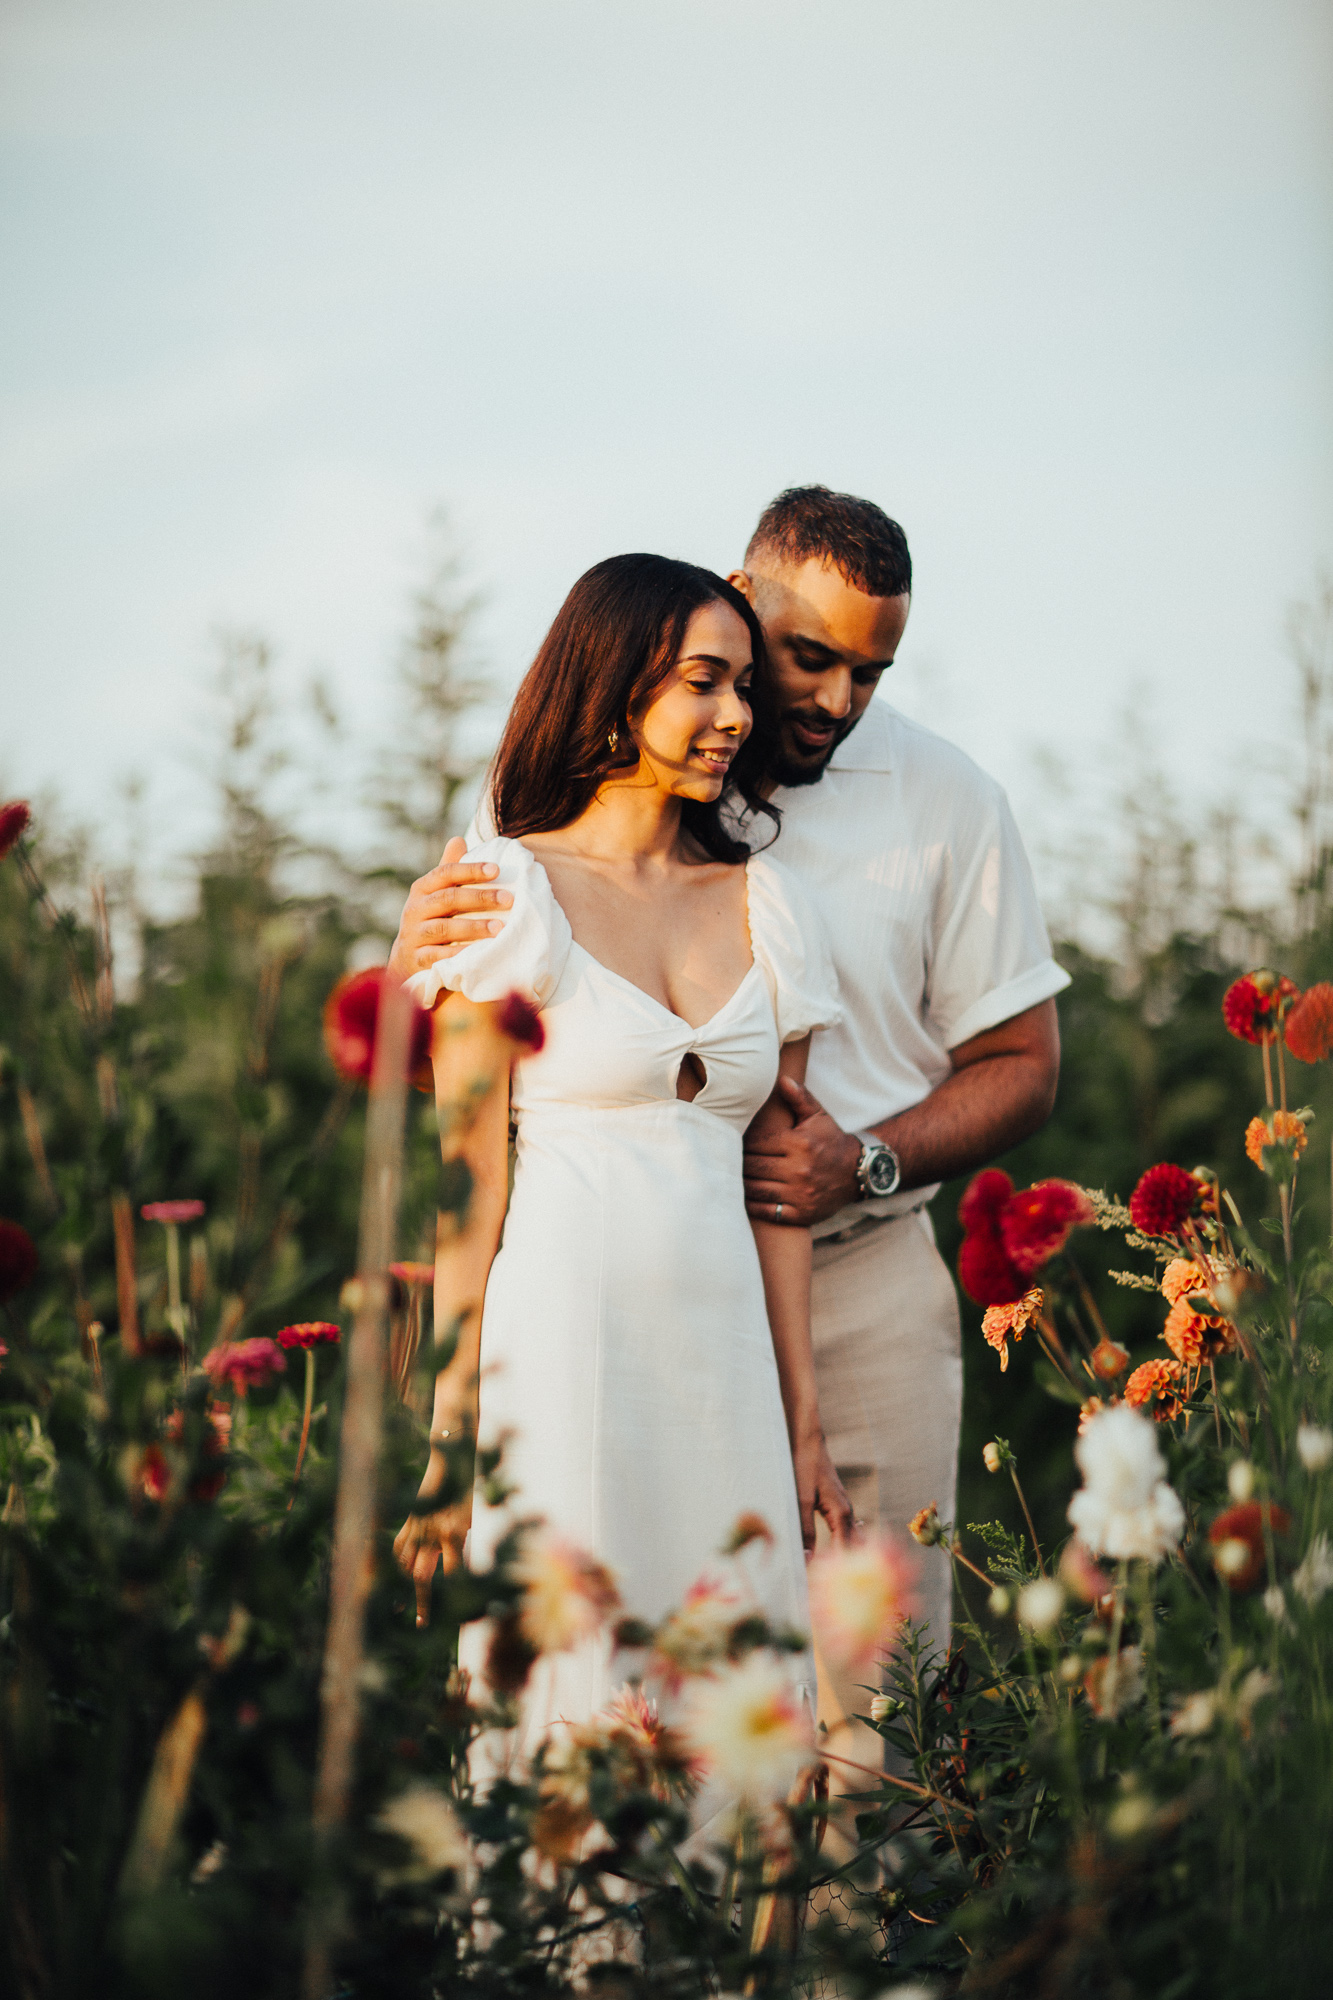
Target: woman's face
(699, 717)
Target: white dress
(625, 1347)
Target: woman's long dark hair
(612, 645)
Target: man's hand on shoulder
(445, 909)
(810, 1169)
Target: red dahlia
(15, 819)
(351, 1014)
(1163, 1200)
(1254, 1004)
(1035, 1225)
(985, 1273)
(18, 1259)
(1310, 1024)
(520, 1021)
(983, 1198)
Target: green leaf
(1054, 1383)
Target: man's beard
(790, 771)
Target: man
(949, 1051)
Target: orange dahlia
(1195, 1337)
(999, 1322)
(1181, 1277)
(1310, 1024)
(1159, 1383)
(1287, 1129)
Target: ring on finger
(777, 1211)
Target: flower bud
(991, 1459)
(1000, 1602)
(1240, 1480)
(1109, 1359)
(882, 1707)
(1231, 1556)
(1314, 1446)
(926, 1527)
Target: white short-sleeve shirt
(910, 854)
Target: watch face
(881, 1172)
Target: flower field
(231, 1759)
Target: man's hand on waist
(445, 909)
(809, 1170)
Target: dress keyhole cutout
(691, 1078)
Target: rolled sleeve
(991, 957)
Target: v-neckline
(642, 991)
(661, 1006)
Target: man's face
(828, 643)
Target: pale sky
(1052, 280)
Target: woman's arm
(784, 1258)
(464, 1051)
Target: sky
(1052, 282)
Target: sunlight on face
(698, 719)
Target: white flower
(424, 1818)
(1125, 1508)
(1314, 1446)
(1040, 1604)
(882, 1706)
(1240, 1480)
(1196, 1714)
(1275, 1604)
(750, 1728)
(1315, 1575)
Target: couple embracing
(792, 974)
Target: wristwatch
(877, 1171)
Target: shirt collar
(870, 745)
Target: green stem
(1113, 1656)
(305, 1420)
(1027, 1516)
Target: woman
(645, 1348)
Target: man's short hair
(856, 536)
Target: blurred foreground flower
(1041, 1604)
(171, 1212)
(1111, 1694)
(694, 1638)
(18, 1259)
(1314, 1446)
(1000, 1323)
(1309, 1029)
(1313, 1577)
(351, 1015)
(750, 1729)
(243, 1364)
(1238, 1542)
(15, 819)
(422, 1816)
(568, 1594)
(1008, 1236)
(519, 1021)
(1125, 1508)
(859, 1596)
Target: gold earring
(613, 740)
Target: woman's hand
(427, 1539)
(820, 1491)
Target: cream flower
(750, 1729)
(568, 1594)
(424, 1818)
(860, 1595)
(1314, 1446)
(1040, 1604)
(1125, 1509)
(1314, 1577)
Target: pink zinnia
(244, 1364)
(310, 1333)
(172, 1211)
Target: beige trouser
(888, 1362)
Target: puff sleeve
(527, 956)
(792, 951)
